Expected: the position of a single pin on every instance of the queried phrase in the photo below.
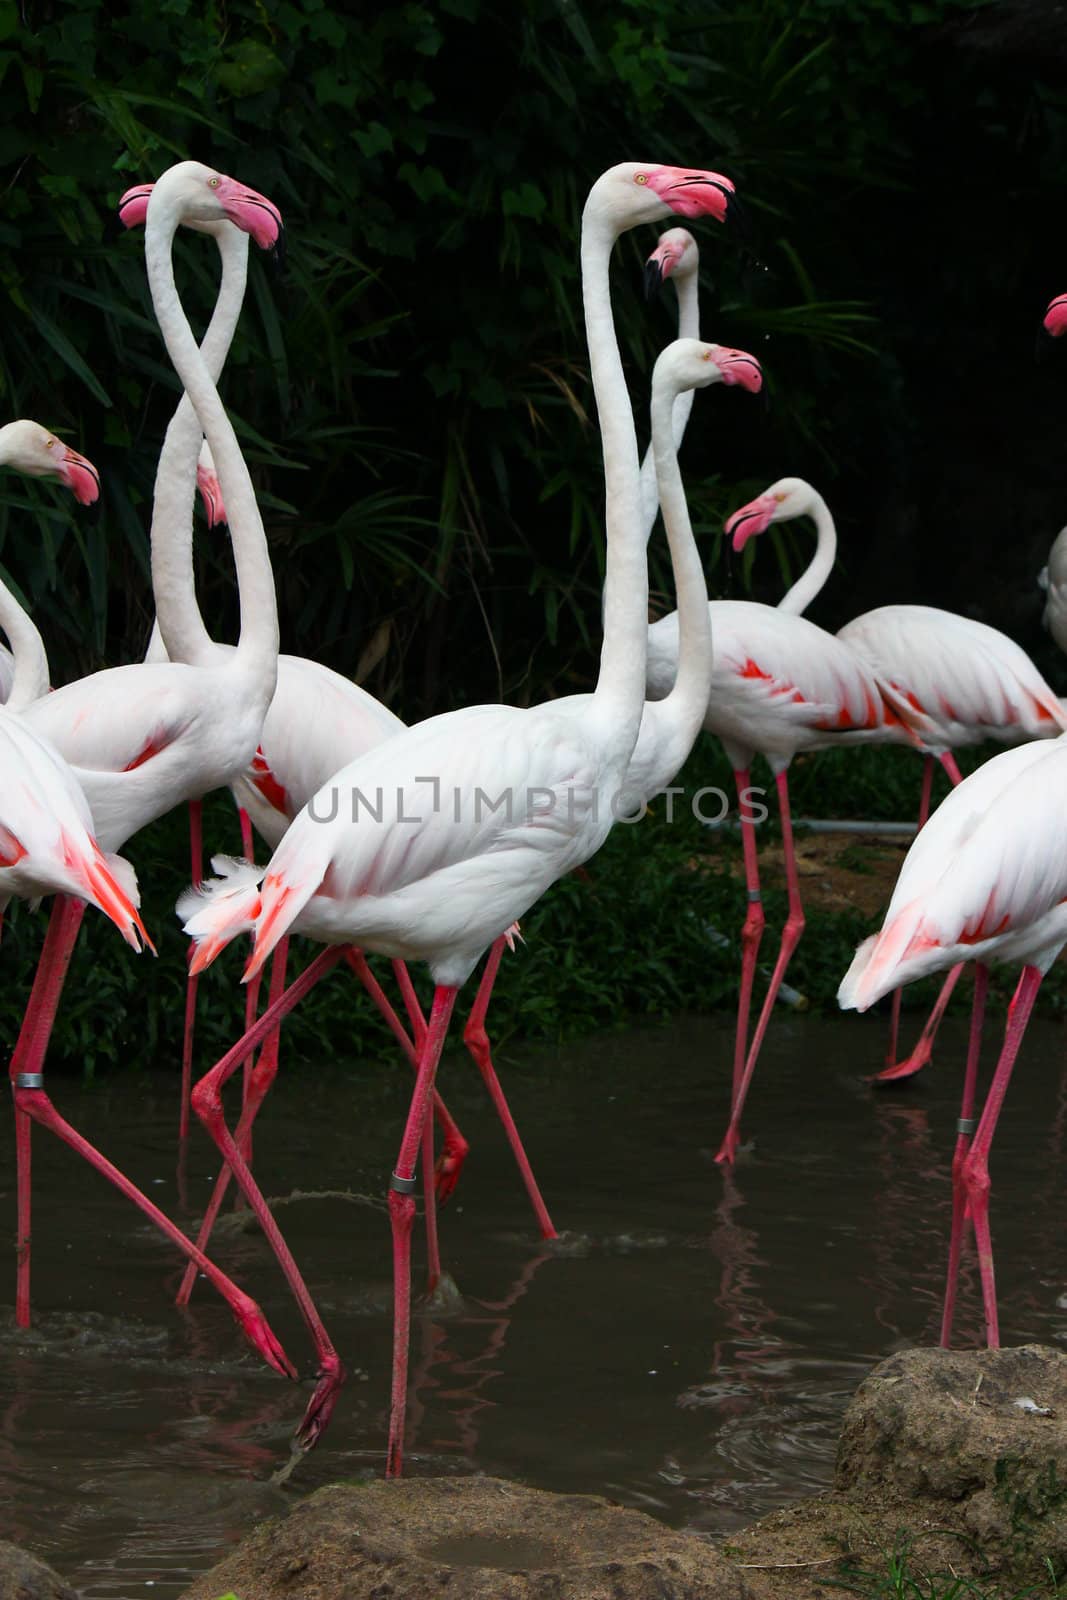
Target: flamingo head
(676, 255)
(640, 191)
(31, 449)
(207, 481)
(789, 497)
(692, 364)
(1055, 321)
(133, 210)
(199, 195)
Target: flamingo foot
(919, 1058)
(728, 1148)
(316, 1418)
(256, 1329)
(449, 1166)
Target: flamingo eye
(213, 183)
(706, 356)
(780, 497)
(50, 444)
(641, 177)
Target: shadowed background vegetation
(413, 398)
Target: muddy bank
(958, 1458)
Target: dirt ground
(837, 871)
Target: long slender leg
(751, 932)
(976, 1162)
(28, 1058)
(402, 1215)
(923, 1050)
(454, 1147)
(196, 857)
(477, 1041)
(251, 989)
(964, 1130)
(794, 927)
(207, 1103)
(263, 1075)
(924, 812)
(31, 1101)
(920, 1055)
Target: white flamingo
(778, 685)
(144, 738)
(985, 881)
(533, 790)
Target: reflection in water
(689, 1349)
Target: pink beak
(80, 476)
(1056, 316)
(252, 212)
(691, 192)
(749, 520)
(737, 366)
(207, 482)
(133, 207)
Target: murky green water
(690, 1352)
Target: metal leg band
(966, 1125)
(402, 1185)
(29, 1080)
(754, 896)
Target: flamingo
(443, 891)
(1053, 577)
(144, 738)
(984, 881)
(778, 685)
(319, 721)
(47, 847)
(954, 680)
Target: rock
(945, 1431)
(467, 1539)
(24, 1577)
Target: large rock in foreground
(980, 1433)
(24, 1577)
(467, 1539)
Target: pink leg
(207, 1103)
(477, 1041)
(248, 847)
(948, 761)
(924, 812)
(31, 1101)
(433, 1246)
(402, 1215)
(263, 1075)
(196, 856)
(976, 1162)
(28, 1059)
(924, 1048)
(454, 1147)
(794, 927)
(751, 933)
(964, 1130)
(920, 1056)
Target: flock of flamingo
(464, 820)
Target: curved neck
(688, 292)
(178, 616)
(797, 599)
(258, 644)
(620, 688)
(688, 699)
(29, 681)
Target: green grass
(897, 1577)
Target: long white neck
(797, 599)
(620, 689)
(688, 291)
(29, 680)
(258, 645)
(178, 618)
(687, 702)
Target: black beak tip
(653, 278)
(277, 254)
